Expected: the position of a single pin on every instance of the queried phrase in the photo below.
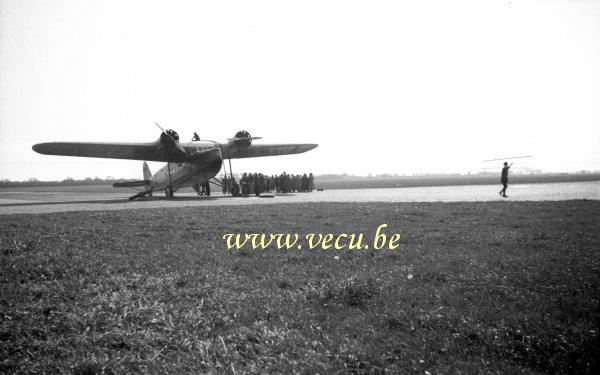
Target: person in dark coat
(504, 179)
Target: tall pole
(512, 157)
(169, 170)
(230, 170)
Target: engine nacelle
(173, 134)
(242, 139)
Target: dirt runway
(100, 198)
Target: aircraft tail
(145, 183)
(147, 173)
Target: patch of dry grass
(474, 287)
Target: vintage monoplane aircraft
(192, 163)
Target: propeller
(242, 135)
(172, 136)
(243, 138)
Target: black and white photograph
(299, 187)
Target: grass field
(499, 287)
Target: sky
(398, 87)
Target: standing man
(225, 182)
(504, 179)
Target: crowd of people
(257, 183)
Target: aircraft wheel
(169, 191)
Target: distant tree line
(328, 180)
(69, 181)
(589, 175)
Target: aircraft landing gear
(169, 191)
(203, 189)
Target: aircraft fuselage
(188, 173)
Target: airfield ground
(482, 287)
(51, 199)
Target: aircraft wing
(232, 151)
(132, 151)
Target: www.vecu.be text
(312, 241)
